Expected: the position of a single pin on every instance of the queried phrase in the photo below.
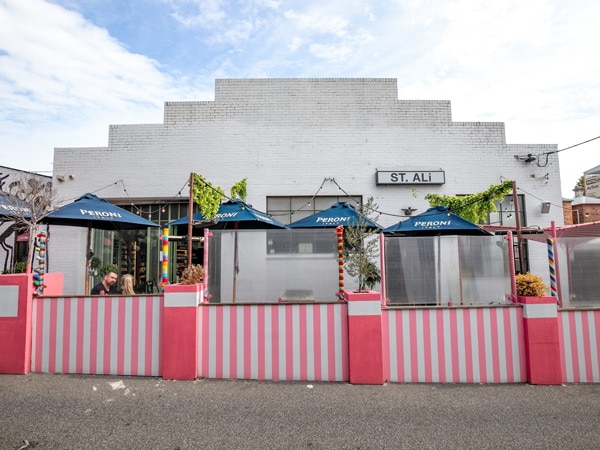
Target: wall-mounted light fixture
(545, 207)
(408, 211)
(63, 177)
(529, 158)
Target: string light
(161, 207)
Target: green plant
(474, 207)
(529, 285)
(95, 263)
(20, 267)
(361, 249)
(107, 268)
(239, 190)
(207, 196)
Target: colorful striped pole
(38, 276)
(165, 258)
(552, 265)
(340, 241)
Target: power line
(572, 146)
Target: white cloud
(202, 13)
(63, 81)
(532, 65)
(319, 22)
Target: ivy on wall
(475, 207)
(208, 197)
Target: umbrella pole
(87, 259)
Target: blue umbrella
(95, 212)
(234, 214)
(341, 213)
(12, 207)
(435, 221)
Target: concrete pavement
(106, 412)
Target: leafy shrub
(107, 268)
(20, 267)
(530, 285)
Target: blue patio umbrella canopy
(95, 212)
(12, 207)
(233, 214)
(435, 221)
(341, 213)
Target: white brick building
(289, 137)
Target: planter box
(365, 350)
(542, 343)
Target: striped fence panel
(274, 342)
(579, 332)
(97, 335)
(454, 345)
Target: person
(127, 284)
(106, 286)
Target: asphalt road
(105, 412)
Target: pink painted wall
(454, 345)
(16, 291)
(97, 335)
(53, 284)
(274, 341)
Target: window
(505, 216)
(291, 209)
(303, 241)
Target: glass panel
(322, 203)
(278, 203)
(300, 202)
(462, 270)
(245, 268)
(578, 270)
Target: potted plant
(193, 274)
(529, 285)
(361, 250)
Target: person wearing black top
(106, 286)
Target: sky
(71, 68)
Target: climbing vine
(238, 190)
(208, 197)
(475, 207)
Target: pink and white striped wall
(454, 345)
(97, 335)
(579, 331)
(123, 336)
(274, 341)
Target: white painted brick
(286, 135)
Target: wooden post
(518, 223)
(190, 220)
